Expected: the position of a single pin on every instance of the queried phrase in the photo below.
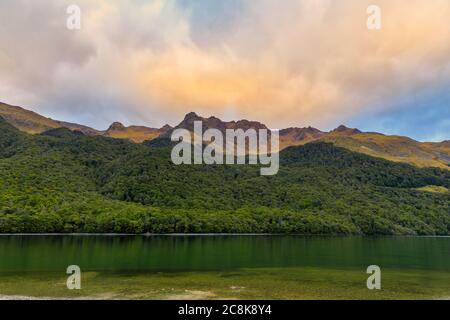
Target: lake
(294, 266)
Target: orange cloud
(301, 62)
(315, 69)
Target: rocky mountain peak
(191, 116)
(346, 130)
(116, 126)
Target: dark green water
(201, 253)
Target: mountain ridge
(34, 123)
(394, 148)
(134, 133)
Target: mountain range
(393, 148)
(64, 181)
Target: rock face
(288, 137)
(216, 123)
(116, 126)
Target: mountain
(78, 127)
(31, 122)
(440, 147)
(134, 133)
(299, 136)
(344, 131)
(65, 181)
(394, 148)
(25, 120)
(214, 123)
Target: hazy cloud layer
(308, 62)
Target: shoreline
(194, 296)
(214, 235)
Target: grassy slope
(435, 189)
(25, 120)
(134, 133)
(33, 123)
(394, 148)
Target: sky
(284, 63)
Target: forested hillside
(64, 181)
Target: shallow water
(26, 253)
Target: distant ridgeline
(393, 148)
(65, 181)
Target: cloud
(309, 62)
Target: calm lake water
(210, 253)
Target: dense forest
(64, 181)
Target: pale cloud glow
(305, 62)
